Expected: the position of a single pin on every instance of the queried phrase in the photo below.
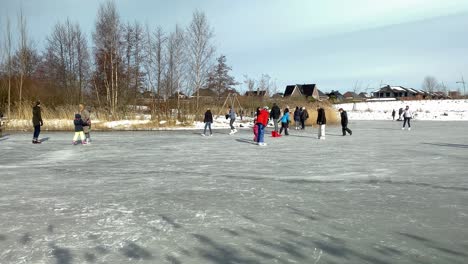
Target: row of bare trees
(123, 60)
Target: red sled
(275, 134)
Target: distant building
(335, 95)
(364, 95)
(454, 94)
(205, 93)
(351, 96)
(257, 93)
(302, 90)
(400, 92)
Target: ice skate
(74, 143)
(402, 128)
(203, 135)
(409, 128)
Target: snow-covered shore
(435, 110)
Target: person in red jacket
(262, 121)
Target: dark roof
(351, 94)
(255, 93)
(306, 89)
(289, 90)
(321, 93)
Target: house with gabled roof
(301, 90)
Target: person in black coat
(304, 116)
(344, 122)
(208, 120)
(321, 122)
(79, 130)
(37, 122)
(275, 114)
(297, 118)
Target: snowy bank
(435, 110)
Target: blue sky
(333, 43)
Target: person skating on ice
(285, 120)
(86, 117)
(262, 121)
(208, 120)
(37, 122)
(321, 122)
(407, 115)
(275, 114)
(79, 123)
(232, 116)
(344, 122)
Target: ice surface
(380, 196)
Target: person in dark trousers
(79, 128)
(297, 118)
(344, 122)
(285, 120)
(321, 122)
(275, 115)
(208, 121)
(400, 112)
(393, 114)
(37, 122)
(407, 115)
(304, 117)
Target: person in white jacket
(407, 115)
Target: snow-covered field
(436, 110)
(380, 196)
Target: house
(300, 90)
(454, 94)
(180, 95)
(335, 95)
(399, 92)
(351, 96)
(277, 95)
(322, 95)
(365, 95)
(229, 92)
(257, 93)
(204, 93)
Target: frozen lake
(380, 196)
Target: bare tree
(67, 59)
(22, 53)
(108, 54)
(8, 48)
(199, 36)
(174, 75)
(249, 82)
(430, 84)
(264, 84)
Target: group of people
(82, 124)
(407, 115)
(264, 115)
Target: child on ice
(285, 120)
(78, 122)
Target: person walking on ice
(232, 115)
(344, 122)
(86, 117)
(285, 120)
(393, 114)
(407, 115)
(208, 121)
(275, 114)
(37, 122)
(321, 122)
(78, 122)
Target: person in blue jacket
(285, 120)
